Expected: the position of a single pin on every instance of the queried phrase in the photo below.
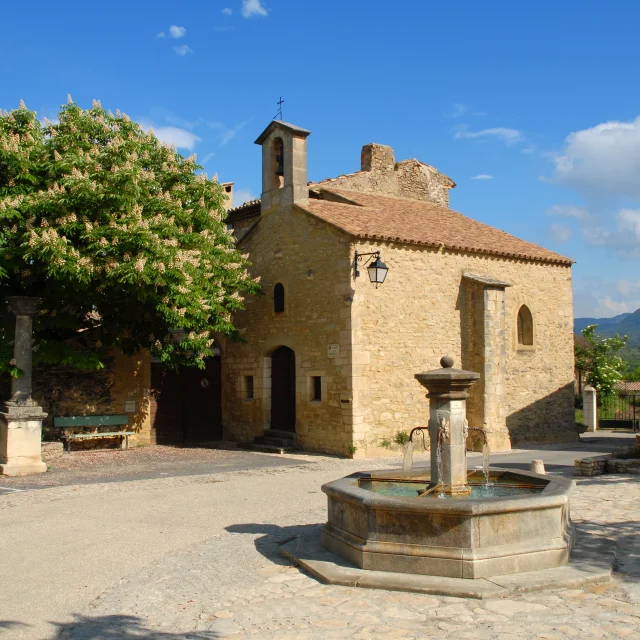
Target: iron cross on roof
(279, 114)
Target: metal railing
(619, 411)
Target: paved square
(198, 557)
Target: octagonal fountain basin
(390, 521)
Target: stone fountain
(449, 522)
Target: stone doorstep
(591, 563)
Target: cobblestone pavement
(230, 582)
(261, 596)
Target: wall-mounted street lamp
(377, 269)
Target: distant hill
(580, 323)
(626, 324)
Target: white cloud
(208, 157)
(560, 232)
(508, 136)
(227, 133)
(253, 8)
(459, 110)
(602, 162)
(624, 238)
(568, 211)
(183, 50)
(627, 287)
(240, 196)
(629, 222)
(181, 138)
(177, 32)
(596, 298)
(608, 304)
(227, 11)
(225, 27)
(162, 34)
(482, 176)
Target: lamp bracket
(359, 258)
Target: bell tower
(284, 164)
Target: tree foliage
(633, 376)
(598, 358)
(122, 236)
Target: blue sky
(531, 108)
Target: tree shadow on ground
(123, 628)
(606, 479)
(11, 624)
(273, 537)
(627, 535)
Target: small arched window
(278, 298)
(525, 326)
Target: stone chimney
(228, 193)
(377, 157)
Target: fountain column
(448, 393)
(20, 417)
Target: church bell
(280, 161)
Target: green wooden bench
(121, 421)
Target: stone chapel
(329, 355)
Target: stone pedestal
(21, 418)
(448, 425)
(590, 408)
(20, 439)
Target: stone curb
(591, 563)
(608, 463)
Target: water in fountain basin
(485, 462)
(413, 489)
(407, 464)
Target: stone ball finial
(446, 362)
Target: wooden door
(167, 408)
(186, 405)
(283, 389)
(203, 403)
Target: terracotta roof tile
(245, 205)
(627, 386)
(389, 218)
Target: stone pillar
(590, 408)
(495, 355)
(20, 417)
(447, 389)
(484, 349)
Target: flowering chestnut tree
(598, 358)
(122, 237)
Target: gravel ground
(142, 463)
(197, 557)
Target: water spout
(407, 464)
(485, 462)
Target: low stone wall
(615, 465)
(51, 451)
(608, 463)
(595, 466)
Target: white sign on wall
(130, 406)
(333, 350)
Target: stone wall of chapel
(406, 179)
(311, 260)
(419, 314)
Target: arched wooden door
(283, 389)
